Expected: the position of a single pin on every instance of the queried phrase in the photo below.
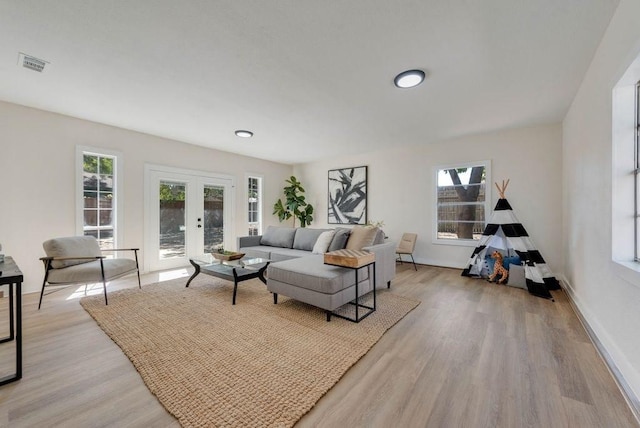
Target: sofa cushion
(340, 238)
(361, 237)
(311, 273)
(516, 277)
(323, 242)
(73, 246)
(279, 254)
(90, 272)
(260, 251)
(306, 238)
(279, 237)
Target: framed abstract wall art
(347, 202)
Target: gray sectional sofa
(298, 271)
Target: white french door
(188, 213)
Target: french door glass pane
(213, 217)
(172, 220)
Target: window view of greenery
(461, 202)
(173, 224)
(213, 218)
(99, 197)
(172, 219)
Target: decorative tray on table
(227, 255)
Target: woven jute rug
(252, 364)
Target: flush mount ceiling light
(244, 134)
(409, 78)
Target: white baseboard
(627, 392)
(439, 263)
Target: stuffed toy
(498, 269)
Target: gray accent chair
(79, 260)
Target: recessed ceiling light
(409, 78)
(244, 134)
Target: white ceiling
(311, 79)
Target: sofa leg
(328, 315)
(388, 284)
(275, 298)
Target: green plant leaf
(295, 204)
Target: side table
(355, 260)
(10, 275)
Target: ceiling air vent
(31, 62)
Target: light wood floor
(472, 354)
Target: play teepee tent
(504, 231)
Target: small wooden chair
(406, 246)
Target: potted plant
(294, 205)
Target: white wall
(37, 173)
(609, 302)
(401, 187)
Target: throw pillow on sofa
(340, 238)
(380, 236)
(361, 237)
(278, 237)
(306, 238)
(322, 243)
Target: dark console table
(10, 275)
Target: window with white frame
(625, 191)
(636, 184)
(462, 201)
(254, 205)
(98, 196)
(625, 184)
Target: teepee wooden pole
(503, 188)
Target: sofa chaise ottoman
(309, 280)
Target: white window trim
(487, 201)
(260, 200)
(623, 142)
(118, 209)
